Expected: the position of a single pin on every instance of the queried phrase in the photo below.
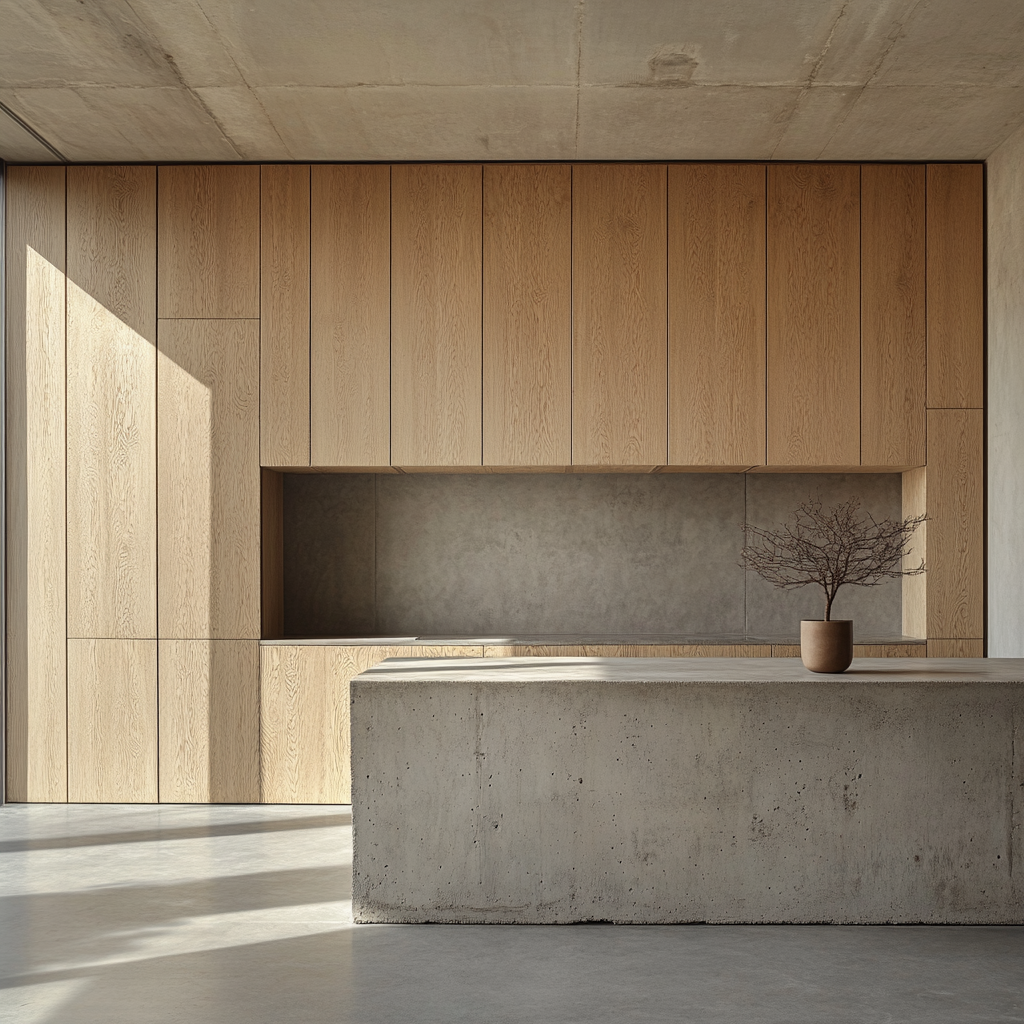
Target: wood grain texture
(351, 310)
(435, 314)
(208, 479)
(112, 721)
(956, 286)
(284, 314)
(785, 650)
(893, 369)
(620, 340)
(813, 314)
(716, 314)
(209, 721)
(111, 402)
(889, 651)
(915, 588)
(956, 648)
(271, 554)
(304, 716)
(209, 240)
(956, 551)
(36, 742)
(527, 308)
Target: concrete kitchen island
(660, 790)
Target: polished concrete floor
(225, 914)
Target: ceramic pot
(826, 646)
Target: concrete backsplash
(507, 554)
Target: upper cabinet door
(527, 315)
(435, 315)
(716, 296)
(209, 241)
(350, 352)
(892, 315)
(620, 342)
(814, 315)
(956, 286)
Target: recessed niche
(520, 554)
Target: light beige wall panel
(209, 240)
(956, 286)
(527, 307)
(304, 716)
(208, 479)
(915, 588)
(209, 721)
(351, 315)
(36, 529)
(893, 367)
(284, 315)
(111, 402)
(813, 314)
(620, 341)
(435, 314)
(112, 721)
(716, 308)
(956, 648)
(956, 542)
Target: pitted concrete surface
(681, 790)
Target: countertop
(574, 639)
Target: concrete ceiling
(211, 80)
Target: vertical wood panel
(915, 588)
(956, 526)
(112, 721)
(208, 479)
(716, 299)
(435, 315)
(620, 341)
(111, 402)
(272, 554)
(527, 306)
(36, 742)
(956, 286)
(813, 315)
(893, 315)
(956, 648)
(304, 716)
(209, 721)
(351, 315)
(284, 315)
(209, 240)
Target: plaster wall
(495, 554)
(1006, 399)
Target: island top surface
(693, 670)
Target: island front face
(676, 790)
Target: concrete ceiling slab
(521, 79)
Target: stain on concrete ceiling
(142, 80)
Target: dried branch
(831, 549)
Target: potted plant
(830, 548)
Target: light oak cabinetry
(284, 314)
(36, 746)
(619, 333)
(527, 315)
(209, 479)
(350, 399)
(893, 315)
(814, 315)
(716, 315)
(435, 315)
(111, 403)
(209, 241)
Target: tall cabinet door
(350, 355)
(716, 295)
(814, 315)
(619, 343)
(435, 315)
(527, 314)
